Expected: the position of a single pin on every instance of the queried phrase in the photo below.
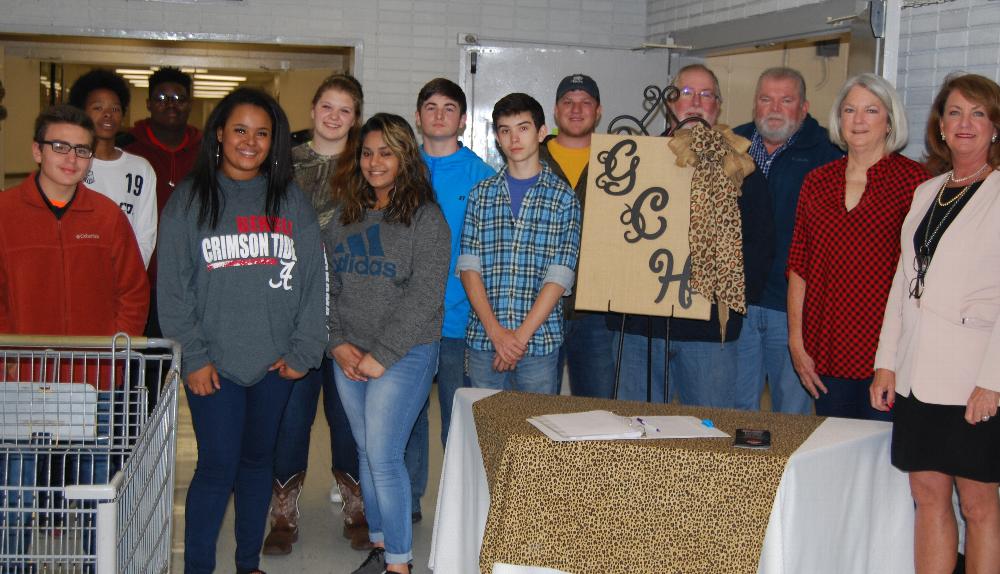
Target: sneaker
(335, 496)
(374, 564)
(409, 566)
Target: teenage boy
(169, 144)
(124, 178)
(69, 262)
(69, 265)
(454, 170)
(519, 248)
(588, 349)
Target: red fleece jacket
(78, 275)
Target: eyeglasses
(64, 148)
(690, 93)
(920, 264)
(163, 99)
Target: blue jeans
(451, 376)
(763, 354)
(382, 413)
(17, 469)
(83, 463)
(292, 453)
(589, 353)
(701, 373)
(848, 398)
(236, 429)
(530, 375)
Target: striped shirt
(517, 256)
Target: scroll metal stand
(654, 99)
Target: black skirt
(936, 437)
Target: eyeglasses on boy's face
(81, 151)
(163, 99)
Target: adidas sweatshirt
(387, 282)
(248, 292)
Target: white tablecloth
(840, 507)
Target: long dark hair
(341, 176)
(412, 187)
(277, 167)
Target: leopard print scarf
(715, 234)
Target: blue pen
(643, 423)
(708, 423)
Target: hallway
(321, 548)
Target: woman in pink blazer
(938, 360)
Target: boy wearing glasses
(69, 262)
(169, 144)
(165, 139)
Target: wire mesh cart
(88, 431)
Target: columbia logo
(87, 236)
(363, 255)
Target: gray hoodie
(246, 293)
(387, 282)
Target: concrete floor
(321, 548)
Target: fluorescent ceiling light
(129, 71)
(209, 84)
(222, 78)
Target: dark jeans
(848, 398)
(44, 469)
(236, 429)
(292, 453)
(589, 352)
(451, 376)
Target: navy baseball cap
(578, 82)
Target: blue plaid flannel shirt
(759, 153)
(516, 257)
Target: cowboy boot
(355, 524)
(284, 515)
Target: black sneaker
(374, 564)
(409, 566)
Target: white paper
(678, 427)
(605, 425)
(589, 425)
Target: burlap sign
(634, 255)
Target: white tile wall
(405, 42)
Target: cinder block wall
(406, 42)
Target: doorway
(38, 70)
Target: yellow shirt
(570, 159)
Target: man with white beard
(786, 144)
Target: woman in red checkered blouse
(938, 360)
(845, 247)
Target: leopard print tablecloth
(686, 506)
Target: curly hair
(411, 189)
(976, 89)
(99, 79)
(340, 179)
